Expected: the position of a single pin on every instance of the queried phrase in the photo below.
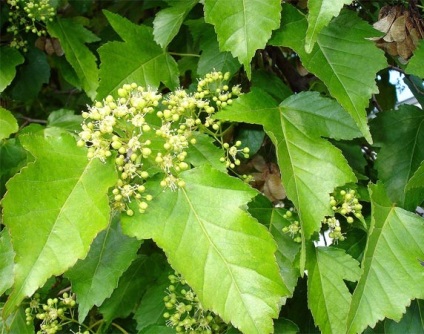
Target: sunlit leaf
(263, 210)
(319, 15)
(168, 21)
(8, 123)
(328, 296)
(53, 208)
(243, 26)
(392, 272)
(348, 72)
(204, 222)
(6, 261)
(310, 166)
(415, 63)
(138, 59)
(10, 58)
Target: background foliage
(325, 235)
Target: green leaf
(31, 76)
(8, 123)
(65, 119)
(392, 272)
(12, 158)
(94, 278)
(16, 323)
(204, 222)
(6, 261)
(168, 21)
(262, 209)
(152, 307)
(412, 321)
(10, 58)
(415, 63)
(285, 326)
(320, 14)
(400, 134)
(205, 152)
(211, 57)
(348, 72)
(138, 59)
(310, 166)
(53, 208)
(415, 188)
(328, 296)
(131, 287)
(271, 84)
(73, 36)
(243, 26)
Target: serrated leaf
(31, 76)
(168, 21)
(412, 321)
(6, 261)
(262, 209)
(320, 14)
(205, 152)
(328, 296)
(414, 190)
(348, 72)
(415, 63)
(152, 307)
(12, 158)
(16, 323)
(65, 119)
(131, 287)
(204, 222)
(392, 272)
(138, 59)
(271, 84)
(212, 57)
(10, 58)
(243, 26)
(73, 36)
(53, 208)
(400, 134)
(8, 123)
(94, 278)
(310, 166)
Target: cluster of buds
(52, 314)
(231, 159)
(345, 203)
(30, 17)
(184, 311)
(147, 134)
(294, 228)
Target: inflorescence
(53, 314)
(148, 134)
(344, 203)
(184, 311)
(29, 17)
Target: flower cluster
(185, 313)
(30, 17)
(53, 314)
(346, 204)
(148, 134)
(231, 160)
(294, 228)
